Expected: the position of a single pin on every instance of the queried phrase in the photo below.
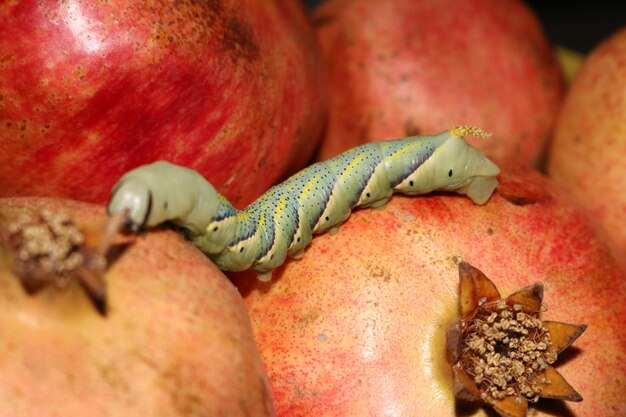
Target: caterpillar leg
(380, 203)
(264, 276)
(298, 255)
(334, 230)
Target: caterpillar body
(283, 220)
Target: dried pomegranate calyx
(504, 352)
(46, 247)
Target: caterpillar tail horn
(461, 131)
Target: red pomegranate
(401, 68)
(588, 154)
(176, 339)
(91, 89)
(357, 327)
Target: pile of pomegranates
(428, 306)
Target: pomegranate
(91, 89)
(357, 327)
(588, 154)
(176, 339)
(400, 68)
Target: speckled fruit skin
(400, 68)
(176, 342)
(588, 154)
(90, 89)
(356, 327)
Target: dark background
(579, 25)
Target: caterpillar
(317, 199)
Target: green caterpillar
(283, 220)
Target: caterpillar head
(134, 198)
(159, 192)
(459, 167)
